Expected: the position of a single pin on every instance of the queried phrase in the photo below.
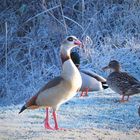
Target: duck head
(113, 65)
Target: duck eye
(70, 38)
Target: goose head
(66, 46)
(70, 42)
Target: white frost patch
(97, 116)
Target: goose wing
(54, 82)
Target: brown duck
(122, 82)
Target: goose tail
(22, 109)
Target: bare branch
(63, 17)
(6, 65)
(74, 22)
(41, 13)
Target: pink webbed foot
(47, 126)
(59, 129)
(123, 100)
(82, 94)
(55, 122)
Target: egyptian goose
(121, 82)
(60, 89)
(90, 80)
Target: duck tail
(134, 89)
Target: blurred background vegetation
(31, 32)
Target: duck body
(123, 83)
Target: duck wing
(132, 80)
(134, 89)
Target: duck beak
(105, 68)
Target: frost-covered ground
(97, 116)
(31, 33)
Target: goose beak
(78, 43)
(105, 68)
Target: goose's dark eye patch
(70, 38)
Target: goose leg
(55, 122)
(82, 94)
(46, 124)
(86, 94)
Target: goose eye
(70, 38)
